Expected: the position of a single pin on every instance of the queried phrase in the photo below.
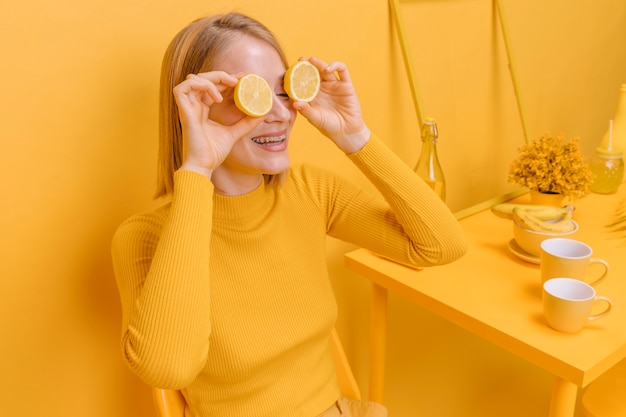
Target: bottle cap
(432, 125)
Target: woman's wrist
(356, 141)
(200, 170)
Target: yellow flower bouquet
(554, 165)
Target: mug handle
(609, 305)
(606, 268)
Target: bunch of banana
(538, 217)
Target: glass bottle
(428, 167)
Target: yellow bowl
(530, 240)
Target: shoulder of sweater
(307, 175)
(307, 169)
(146, 221)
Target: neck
(232, 185)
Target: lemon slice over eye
(253, 95)
(302, 81)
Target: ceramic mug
(563, 257)
(567, 304)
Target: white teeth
(269, 139)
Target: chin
(278, 167)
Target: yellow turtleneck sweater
(229, 299)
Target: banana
(541, 212)
(525, 219)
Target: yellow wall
(78, 120)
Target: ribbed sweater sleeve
(162, 268)
(412, 225)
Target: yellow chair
(605, 396)
(171, 403)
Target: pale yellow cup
(563, 257)
(567, 304)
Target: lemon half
(253, 95)
(302, 81)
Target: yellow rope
(408, 62)
(509, 54)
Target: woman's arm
(161, 263)
(409, 224)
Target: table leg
(378, 342)
(563, 402)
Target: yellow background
(79, 82)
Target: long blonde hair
(195, 49)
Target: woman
(225, 291)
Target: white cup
(567, 304)
(563, 257)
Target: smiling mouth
(269, 140)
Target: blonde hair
(196, 48)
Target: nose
(281, 110)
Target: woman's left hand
(336, 111)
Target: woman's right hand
(206, 143)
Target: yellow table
(497, 296)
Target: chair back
(171, 403)
(345, 378)
(168, 403)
